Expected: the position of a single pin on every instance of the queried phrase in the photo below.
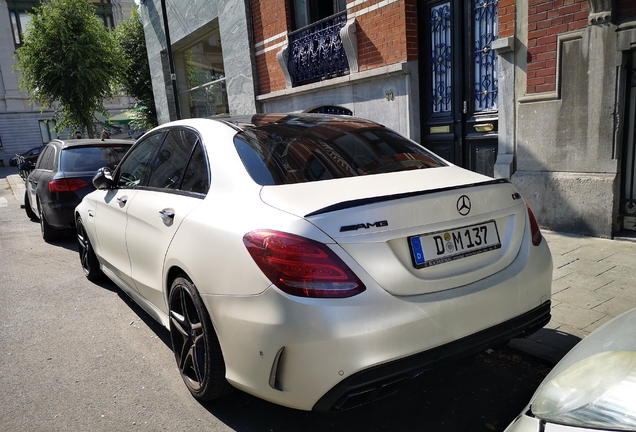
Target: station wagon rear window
(78, 159)
(279, 154)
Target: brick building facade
(538, 91)
(378, 40)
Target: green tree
(135, 75)
(69, 61)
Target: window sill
(352, 78)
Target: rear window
(78, 159)
(284, 154)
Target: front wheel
(88, 259)
(194, 342)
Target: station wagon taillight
(300, 266)
(66, 185)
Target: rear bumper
(333, 354)
(60, 210)
(383, 380)
(59, 215)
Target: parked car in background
(30, 156)
(315, 261)
(592, 388)
(63, 176)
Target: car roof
(304, 119)
(91, 142)
(307, 121)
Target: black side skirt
(386, 379)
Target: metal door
(628, 178)
(458, 81)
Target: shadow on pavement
(548, 344)
(486, 394)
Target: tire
(88, 259)
(194, 342)
(49, 234)
(27, 207)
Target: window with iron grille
(315, 49)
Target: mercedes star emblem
(463, 205)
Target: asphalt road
(80, 356)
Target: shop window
(201, 76)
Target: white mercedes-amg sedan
(317, 262)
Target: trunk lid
(415, 232)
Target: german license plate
(450, 245)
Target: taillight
(534, 227)
(300, 266)
(66, 185)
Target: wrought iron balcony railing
(316, 51)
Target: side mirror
(103, 179)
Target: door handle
(122, 201)
(484, 127)
(167, 216)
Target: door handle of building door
(484, 127)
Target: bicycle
(24, 167)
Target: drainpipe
(173, 76)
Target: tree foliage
(69, 56)
(135, 76)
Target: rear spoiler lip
(373, 200)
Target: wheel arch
(174, 272)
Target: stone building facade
(22, 125)
(569, 67)
(212, 66)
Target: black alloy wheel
(194, 342)
(87, 256)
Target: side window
(46, 159)
(50, 163)
(171, 162)
(133, 169)
(40, 163)
(197, 178)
